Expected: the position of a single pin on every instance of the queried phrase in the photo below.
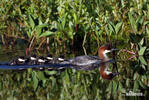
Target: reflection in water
(105, 73)
(134, 75)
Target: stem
(41, 43)
(84, 43)
(31, 42)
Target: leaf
(114, 87)
(111, 27)
(38, 32)
(64, 21)
(47, 33)
(136, 85)
(42, 25)
(140, 19)
(142, 50)
(40, 75)
(39, 29)
(50, 72)
(132, 21)
(146, 22)
(135, 38)
(29, 33)
(118, 27)
(35, 81)
(141, 58)
(147, 31)
(31, 21)
(75, 18)
(127, 82)
(142, 84)
(135, 76)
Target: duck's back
(84, 60)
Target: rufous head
(106, 74)
(103, 50)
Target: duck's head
(106, 74)
(103, 50)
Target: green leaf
(111, 27)
(147, 31)
(135, 76)
(146, 22)
(50, 72)
(140, 19)
(42, 25)
(75, 18)
(35, 81)
(114, 87)
(136, 85)
(39, 29)
(135, 38)
(40, 75)
(47, 33)
(64, 21)
(118, 27)
(29, 33)
(141, 58)
(31, 21)
(142, 84)
(142, 50)
(38, 32)
(132, 21)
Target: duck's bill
(114, 49)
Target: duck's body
(32, 60)
(84, 60)
(41, 60)
(18, 61)
(102, 60)
(105, 74)
(49, 59)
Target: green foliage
(90, 21)
(36, 28)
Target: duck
(18, 61)
(32, 60)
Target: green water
(132, 83)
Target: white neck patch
(49, 58)
(41, 60)
(33, 58)
(60, 59)
(107, 72)
(107, 51)
(20, 59)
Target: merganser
(49, 59)
(32, 60)
(105, 74)
(60, 59)
(87, 62)
(18, 61)
(90, 60)
(41, 60)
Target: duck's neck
(103, 56)
(104, 72)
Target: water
(132, 82)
